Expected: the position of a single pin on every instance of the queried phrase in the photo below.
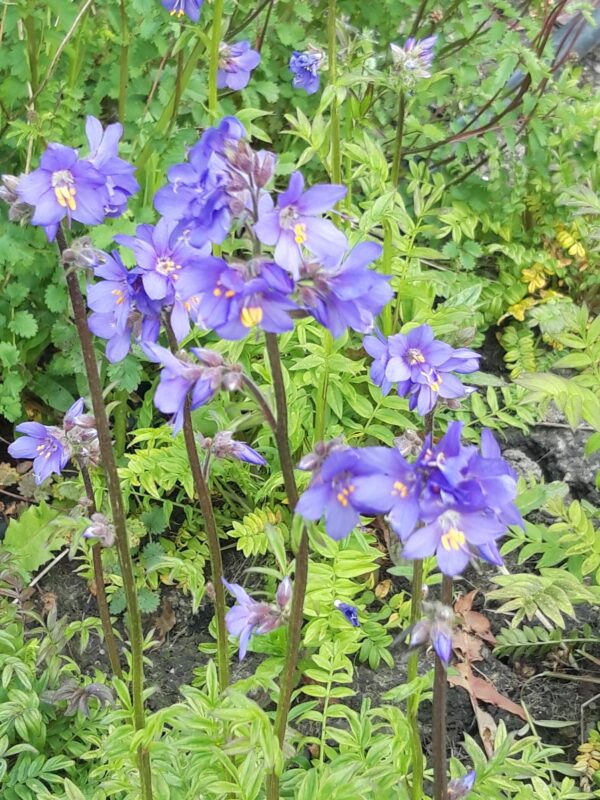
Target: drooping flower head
(236, 62)
(121, 308)
(101, 530)
(348, 295)
(182, 377)
(435, 628)
(453, 501)
(421, 366)
(164, 259)
(296, 223)
(250, 616)
(462, 514)
(118, 173)
(459, 788)
(349, 611)
(64, 186)
(332, 491)
(235, 299)
(223, 445)
(80, 434)
(305, 68)
(197, 193)
(183, 8)
(414, 60)
(45, 444)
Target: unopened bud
(263, 168)
(82, 253)
(100, 529)
(436, 16)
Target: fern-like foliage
(257, 531)
(527, 641)
(547, 597)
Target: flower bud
(82, 253)
(100, 529)
(458, 788)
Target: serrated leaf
(23, 324)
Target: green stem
(213, 64)
(123, 62)
(109, 634)
(336, 170)
(336, 177)
(386, 268)
(210, 526)
(177, 97)
(120, 424)
(440, 681)
(398, 141)
(321, 402)
(301, 571)
(136, 633)
(170, 109)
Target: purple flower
(118, 173)
(197, 193)
(332, 491)
(236, 62)
(182, 377)
(64, 186)
(421, 366)
(235, 299)
(347, 295)
(415, 59)
(249, 616)
(466, 505)
(350, 612)
(121, 308)
(45, 445)
(459, 788)
(434, 628)
(393, 488)
(180, 8)
(81, 435)
(305, 67)
(223, 445)
(295, 223)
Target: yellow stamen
(251, 316)
(119, 295)
(66, 196)
(300, 231)
(217, 292)
(453, 539)
(342, 499)
(400, 488)
(229, 293)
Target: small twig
(47, 568)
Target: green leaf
(23, 324)
(33, 538)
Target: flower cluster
(83, 189)
(183, 378)
(52, 447)
(453, 501)
(420, 366)
(250, 616)
(414, 60)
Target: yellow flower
(518, 309)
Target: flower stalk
(412, 709)
(123, 61)
(118, 514)
(212, 536)
(440, 682)
(107, 629)
(301, 571)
